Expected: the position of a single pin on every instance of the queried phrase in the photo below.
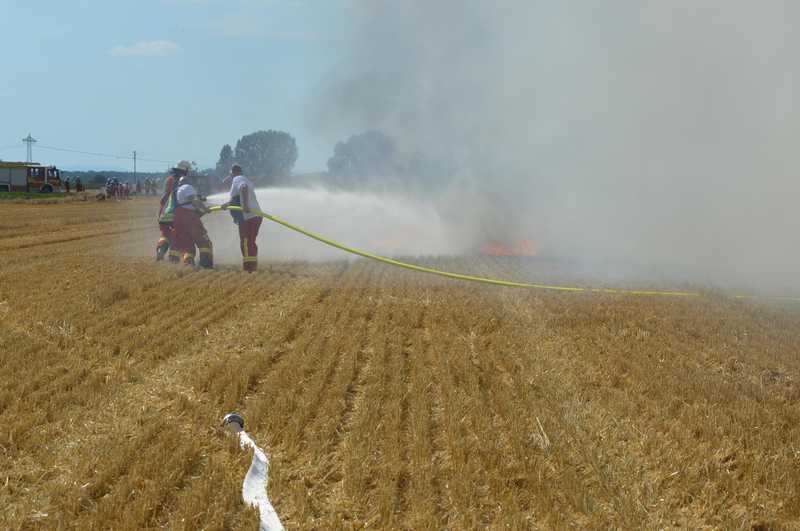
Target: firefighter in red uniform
(189, 230)
(166, 213)
(243, 195)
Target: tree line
(366, 160)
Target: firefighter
(243, 195)
(189, 230)
(166, 213)
(110, 192)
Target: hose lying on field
(254, 487)
(471, 278)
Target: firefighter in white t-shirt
(189, 230)
(243, 194)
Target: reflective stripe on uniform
(250, 259)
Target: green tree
(370, 157)
(266, 156)
(225, 161)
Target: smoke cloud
(642, 134)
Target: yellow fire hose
(471, 278)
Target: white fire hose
(254, 487)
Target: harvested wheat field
(385, 399)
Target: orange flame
(520, 248)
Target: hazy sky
(170, 78)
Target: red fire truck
(29, 177)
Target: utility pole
(30, 141)
(134, 166)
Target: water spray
(254, 487)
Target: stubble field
(385, 399)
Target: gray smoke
(642, 134)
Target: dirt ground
(385, 399)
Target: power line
(92, 153)
(104, 155)
(15, 146)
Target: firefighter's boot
(188, 258)
(161, 249)
(206, 255)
